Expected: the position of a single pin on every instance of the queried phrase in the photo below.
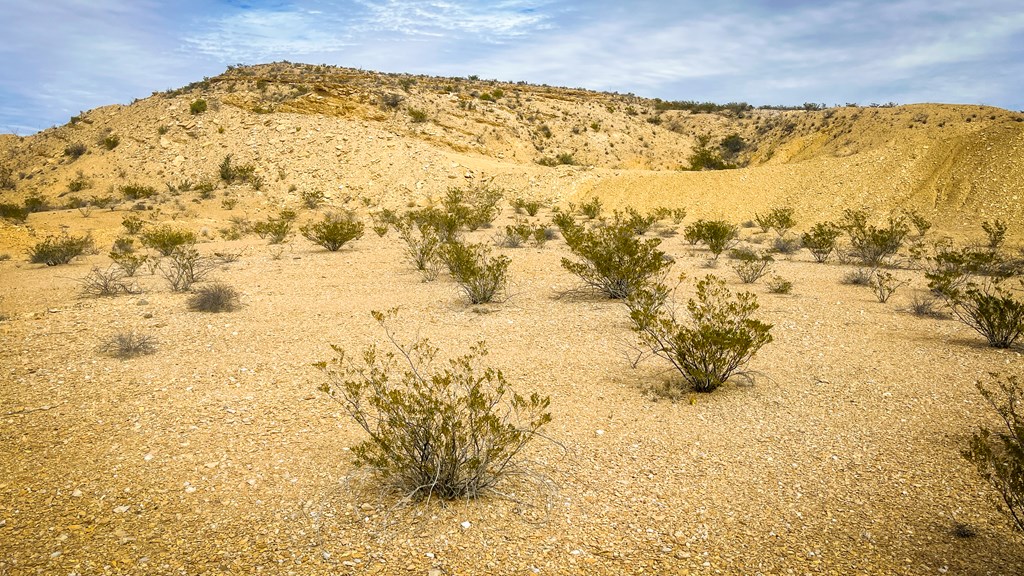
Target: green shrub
(999, 455)
(870, 244)
(312, 199)
(56, 250)
(481, 276)
(111, 141)
(36, 203)
(133, 224)
(717, 340)
(449, 431)
(613, 259)
(884, 285)
(473, 208)
(920, 223)
(417, 115)
(215, 297)
(13, 212)
(165, 239)
(779, 285)
(995, 233)
(197, 106)
(991, 311)
(334, 231)
(750, 266)
(79, 182)
(706, 157)
(591, 208)
(422, 245)
(632, 218)
(779, 219)
(238, 173)
(135, 191)
(821, 240)
(7, 181)
(717, 235)
(276, 229)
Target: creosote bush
(481, 276)
(750, 266)
(215, 297)
(276, 229)
(166, 239)
(999, 455)
(334, 231)
(56, 250)
(874, 245)
(449, 430)
(821, 240)
(717, 235)
(184, 267)
(991, 310)
(612, 259)
(884, 285)
(716, 340)
(779, 219)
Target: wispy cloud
(65, 55)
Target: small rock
(121, 509)
(599, 432)
(465, 525)
(142, 302)
(76, 494)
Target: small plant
(920, 223)
(991, 311)
(779, 219)
(591, 208)
(481, 276)
(276, 229)
(717, 340)
(36, 203)
(820, 240)
(635, 220)
(925, 305)
(613, 259)
(998, 455)
(128, 344)
(13, 212)
(7, 181)
(135, 191)
(859, 277)
(232, 173)
(79, 182)
(779, 285)
(312, 199)
(750, 267)
(334, 231)
(76, 150)
(995, 234)
(56, 250)
(110, 141)
(133, 224)
(166, 239)
(184, 267)
(215, 297)
(109, 282)
(884, 285)
(417, 115)
(450, 431)
(717, 235)
(197, 106)
(873, 245)
(422, 246)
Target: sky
(60, 57)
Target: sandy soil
(217, 454)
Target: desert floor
(218, 454)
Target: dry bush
(128, 344)
(750, 266)
(884, 285)
(447, 431)
(214, 297)
(184, 267)
(109, 282)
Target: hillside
(353, 135)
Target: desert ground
(218, 453)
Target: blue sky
(63, 56)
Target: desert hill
(367, 139)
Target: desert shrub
(717, 235)
(130, 262)
(750, 267)
(79, 182)
(481, 276)
(716, 340)
(991, 310)
(783, 245)
(591, 208)
(417, 115)
(925, 305)
(276, 229)
(334, 231)
(884, 285)
(128, 344)
(135, 191)
(7, 181)
(473, 208)
(873, 245)
(422, 245)
(110, 141)
(390, 100)
(197, 106)
(76, 150)
(919, 222)
(613, 259)
(859, 277)
(706, 157)
(948, 269)
(214, 297)
(132, 224)
(779, 219)
(515, 234)
(13, 212)
(998, 455)
(56, 250)
(312, 198)
(821, 240)
(632, 218)
(447, 431)
(778, 285)
(184, 267)
(995, 234)
(36, 203)
(232, 173)
(109, 282)
(165, 239)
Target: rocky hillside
(367, 139)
